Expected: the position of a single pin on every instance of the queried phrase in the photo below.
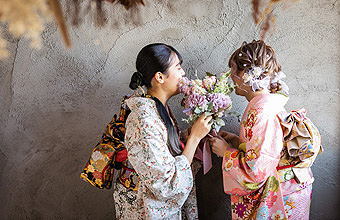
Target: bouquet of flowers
(210, 95)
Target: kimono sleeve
(168, 179)
(247, 169)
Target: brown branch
(58, 14)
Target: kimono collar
(273, 100)
(140, 104)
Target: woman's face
(174, 75)
(238, 81)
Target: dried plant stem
(256, 5)
(58, 14)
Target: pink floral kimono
(259, 186)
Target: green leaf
(197, 110)
(208, 113)
(236, 114)
(217, 127)
(251, 186)
(220, 122)
(209, 74)
(210, 106)
(185, 120)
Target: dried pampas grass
(28, 18)
(266, 17)
(24, 18)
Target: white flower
(197, 82)
(257, 71)
(228, 165)
(198, 90)
(278, 215)
(246, 77)
(204, 107)
(97, 156)
(289, 210)
(209, 82)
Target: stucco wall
(55, 103)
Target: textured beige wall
(55, 103)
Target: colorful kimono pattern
(165, 182)
(250, 173)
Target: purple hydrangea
(185, 86)
(195, 100)
(219, 100)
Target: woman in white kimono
(162, 162)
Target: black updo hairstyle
(151, 59)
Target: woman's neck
(251, 95)
(161, 96)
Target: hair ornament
(278, 79)
(254, 78)
(140, 75)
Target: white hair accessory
(277, 79)
(253, 79)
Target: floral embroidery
(239, 209)
(254, 181)
(271, 185)
(271, 199)
(228, 165)
(277, 215)
(249, 123)
(289, 205)
(166, 179)
(231, 159)
(97, 175)
(91, 168)
(101, 164)
(97, 156)
(251, 154)
(262, 213)
(99, 181)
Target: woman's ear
(159, 77)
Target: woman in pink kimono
(164, 177)
(257, 173)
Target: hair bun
(275, 87)
(136, 80)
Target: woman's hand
(218, 145)
(201, 127)
(199, 130)
(231, 138)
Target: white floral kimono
(165, 182)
